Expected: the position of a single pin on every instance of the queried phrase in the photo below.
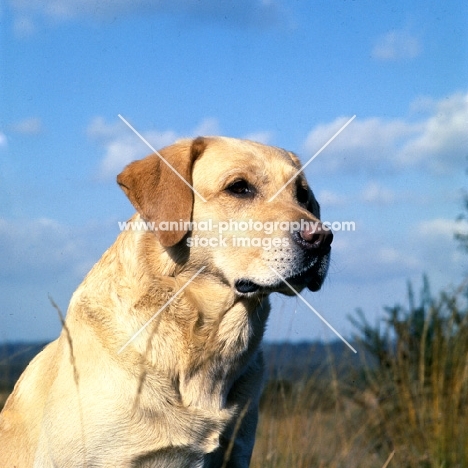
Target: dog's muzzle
(314, 245)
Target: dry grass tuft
(406, 407)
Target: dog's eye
(302, 194)
(241, 188)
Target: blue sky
(285, 73)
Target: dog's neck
(215, 332)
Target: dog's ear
(312, 204)
(155, 186)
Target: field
(305, 421)
(404, 405)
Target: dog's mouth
(312, 278)
(309, 278)
(248, 287)
(245, 286)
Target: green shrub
(420, 382)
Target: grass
(313, 423)
(421, 381)
(405, 407)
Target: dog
(159, 361)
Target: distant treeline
(14, 357)
(296, 361)
(284, 361)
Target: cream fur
(184, 393)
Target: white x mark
(144, 140)
(161, 309)
(312, 158)
(312, 309)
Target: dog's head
(240, 208)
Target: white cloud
(100, 130)
(28, 126)
(391, 257)
(442, 144)
(242, 13)
(41, 257)
(375, 193)
(261, 137)
(397, 45)
(3, 140)
(365, 145)
(365, 258)
(434, 243)
(126, 148)
(436, 143)
(207, 127)
(121, 145)
(330, 199)
(440, 228)
(23, 27)
(38, 249)
(118, 154)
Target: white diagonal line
(389, 459)
(161, 309)
(144, 140)
(312, 309)
(312, 158)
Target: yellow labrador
(159, 362)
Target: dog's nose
(315, 236)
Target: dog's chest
(217, 363)
(208, 388)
